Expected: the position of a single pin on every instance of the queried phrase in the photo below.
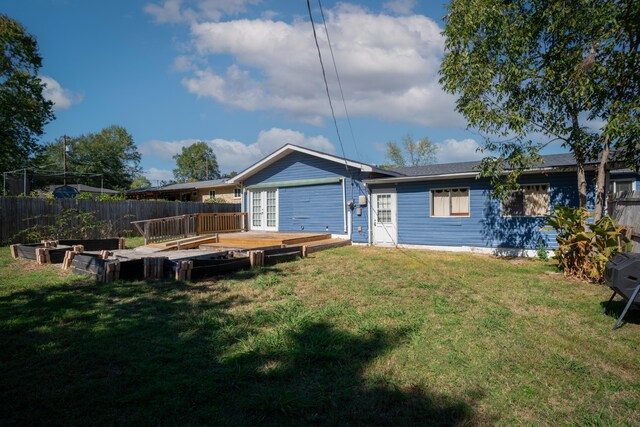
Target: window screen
(530, 200)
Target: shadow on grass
(617, 306)
(160, 353)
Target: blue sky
(244, 76)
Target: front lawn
(350, 336)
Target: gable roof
(291, 148)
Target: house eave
(462, 175)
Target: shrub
(584, 248)
(216, 200)
(542, 251)
(70, 224)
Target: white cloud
(388, 66)
(453, 150)
(156, 175)
(174, 11)
(401, 7)
(62, 98)
(235, 155)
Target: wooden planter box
(39, 253)
(95, 244)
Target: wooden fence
(20, 213)
(625, 209)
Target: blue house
(299, 189)
(441, 206)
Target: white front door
(385, 218)
(264, 209)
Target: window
(212, 194)
(620, 186)
(530, 200)
(384, 208)
(450, 202)
(237, 193)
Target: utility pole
(206, 166)
(64, 158)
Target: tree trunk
(601, 180)
(582, 178)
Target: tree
(418, 153)
(140, 181)
(111, 152)
(565, 71)
(23, 109)
(197, 162)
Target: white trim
(263, 205)
(289, 148)
(615, 181)
(461, 175)
(519, 252)
(340, 236)
(393, 235)
(344, 204)
(369, 221)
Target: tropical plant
(584, 248)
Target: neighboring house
(197, 191)
(437, 206)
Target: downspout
(344, 205)
(244, 194)
(369, 231)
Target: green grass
(350, 336)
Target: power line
(335, 67)
(326, 86)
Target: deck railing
(176, 227)
(207, 223)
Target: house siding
(314, 208)
(485, 227)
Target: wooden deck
(258, 239)
(247, 240)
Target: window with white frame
(237, 193)
(530, 200)
(447, 202)
(620, 185)
(212, 194)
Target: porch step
(186, 243)
(306, 239)
(320, 245)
